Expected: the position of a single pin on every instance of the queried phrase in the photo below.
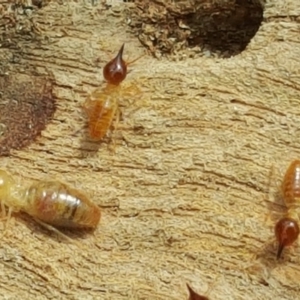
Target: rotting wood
(223, 27)
(185, 198)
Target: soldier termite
(50, 203)
(195, 296)
(101, 106)
(287, 228)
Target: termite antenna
(134, 60)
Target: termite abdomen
(291, 184)
(100, 109)
(59, 205)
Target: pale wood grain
(184, 196)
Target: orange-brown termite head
(9, 193)
(115, 71)
(286, 231)
(195, 296)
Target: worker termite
(101, 106)
(287, 228)
(50, 203)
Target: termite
(195, 296)
(287, 228)
(101, 106)
(50, 203)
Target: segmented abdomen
(57, 204)
(100, 108)
(291, 184)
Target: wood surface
(191, 194)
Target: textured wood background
(189, 195)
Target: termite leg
(270, 217)
(8, 217)
(115, 127)
(3, 210)
(133, 93)
(51, 228)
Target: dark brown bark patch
(27, 104)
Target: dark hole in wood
(222, 27)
